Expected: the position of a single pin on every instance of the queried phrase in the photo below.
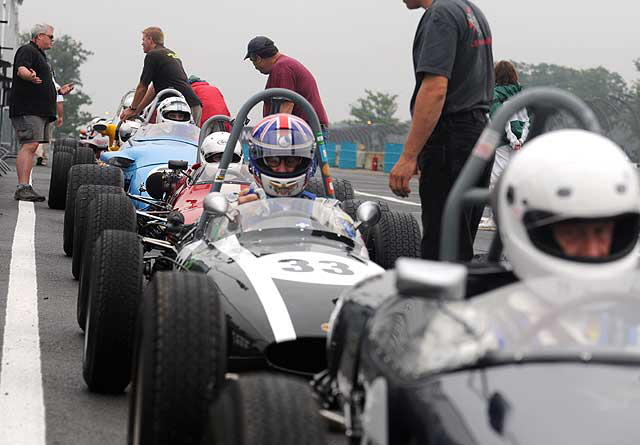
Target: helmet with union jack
(281, 154)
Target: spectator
(213, 103)
(517, 129)
(43, 149)
(453, 65)
(285, 72)
(164, 68)
(33, 104)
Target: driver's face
(584, 239)
(283, 164)
(177, 116)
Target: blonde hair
(155, 34)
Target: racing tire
(105, 212)
(263, 409)
(85, 194)
(79, 175)
(180, 359)
(114, 298)
(62, 162)
(67, 145)
(342, 188)
(84, 155)
(396, 235)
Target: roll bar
(543, 102)
(239, 124)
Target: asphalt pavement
(52, 404)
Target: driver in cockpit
(569, 206)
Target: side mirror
(178, 165)
(431, 279)
(216, 203)
(368, 213)
(127, 130)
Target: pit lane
(72, 414)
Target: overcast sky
(349, 45)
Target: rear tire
(67, 145)
(115, 293)
(85, 194)
(62, 162)
(396, 235)
(84, 155)
(105, 212)
(265, 410)
(79, 175)
(342, 188)
(180, 360)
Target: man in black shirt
(453, 64)
(162, 67)
(32, 105)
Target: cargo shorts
(31, 129)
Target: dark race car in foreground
(448, 353)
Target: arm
(427, 111)
(28, 75)
(286, 107)
(60, 112)
(141, 90)
(147, 99)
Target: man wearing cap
(164, 68)
(285, 72)
(213, 103)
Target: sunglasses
(48, 35)
(289, 161)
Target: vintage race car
(451, 353)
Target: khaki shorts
(31, 129)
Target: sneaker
(39, 161)
(487, 223)
(28, 194)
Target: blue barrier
(392, 153)
(331, 153)
(348, 155)
(245, 152)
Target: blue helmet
(281, 154)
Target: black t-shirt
(27, 98)
(454, 40)
(163, 67)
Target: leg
(433, 192)
(24, 161)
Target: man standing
(285, 72)
(453, 66)
(212, 100)
(32, 107)
(164, 68)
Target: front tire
(114, 298)
(180, 360)
(264, 409)
(62, 162)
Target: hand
(59, 122)
(246, 197)
(33, 78)
(66, 89)
(401, 174)
(517, 146)
(126, 114)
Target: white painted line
(399, 201)
(22, 418)
(264, 287)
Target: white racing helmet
(213, 147)
(564, 177)
(173, 109)
(282, 139)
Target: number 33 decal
(332, 267)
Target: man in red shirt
(285, 72)
(213, 103)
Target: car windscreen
(168, 130)
(548, 319)
(207, 172)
